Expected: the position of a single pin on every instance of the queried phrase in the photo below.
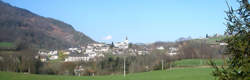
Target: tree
(61, 55)
(238, 48)
(130, 45)
(112, 45)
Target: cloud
(109, 37)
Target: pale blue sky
(143, 21)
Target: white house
(160, 48)
(72, 49)
(75, 50)
(173, 51)
(89, 50)
(54, 52)
(42, 53)
(54, 57)
(43, 58)
(66, 52)
(142, 52)
(79, 70)
(76, 57)
(92, 55)
(97, 48)
(223, 44)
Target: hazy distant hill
(24, 28)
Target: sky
(142, 21)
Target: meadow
(6, 45)
(190, 71)
(174, 74)
(196, 62)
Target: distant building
(122, 45)
(142, 52)
(66, 52)
(79, 70)
(43, 58)
(216, 45)
(97, 48)
(89, 49)
(72, 49)
(76, 57)
(43, 52)
(75, 50)
(54, 57)
(160, 48)
(53, 52)
(173, 51)
(223, 44)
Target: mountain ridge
(31, 30)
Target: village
(124, 40)
(94, 51)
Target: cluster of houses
(87, 53)
(94, 51)
(45, 55)
(173, 51)
(170, 51)
(84, 53)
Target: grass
(175, 74)
(6, 45)
(196, 62)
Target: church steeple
(126, 41)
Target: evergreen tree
(112, 45)
(238, 48)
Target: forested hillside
(25, 29)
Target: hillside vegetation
(28, 30)
(211, 40)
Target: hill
(26, 29)
(211, 40)
(175, 74)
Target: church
(122, 45)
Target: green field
(174, 74)
(191, 71)
(196, 62)
(6, 45)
